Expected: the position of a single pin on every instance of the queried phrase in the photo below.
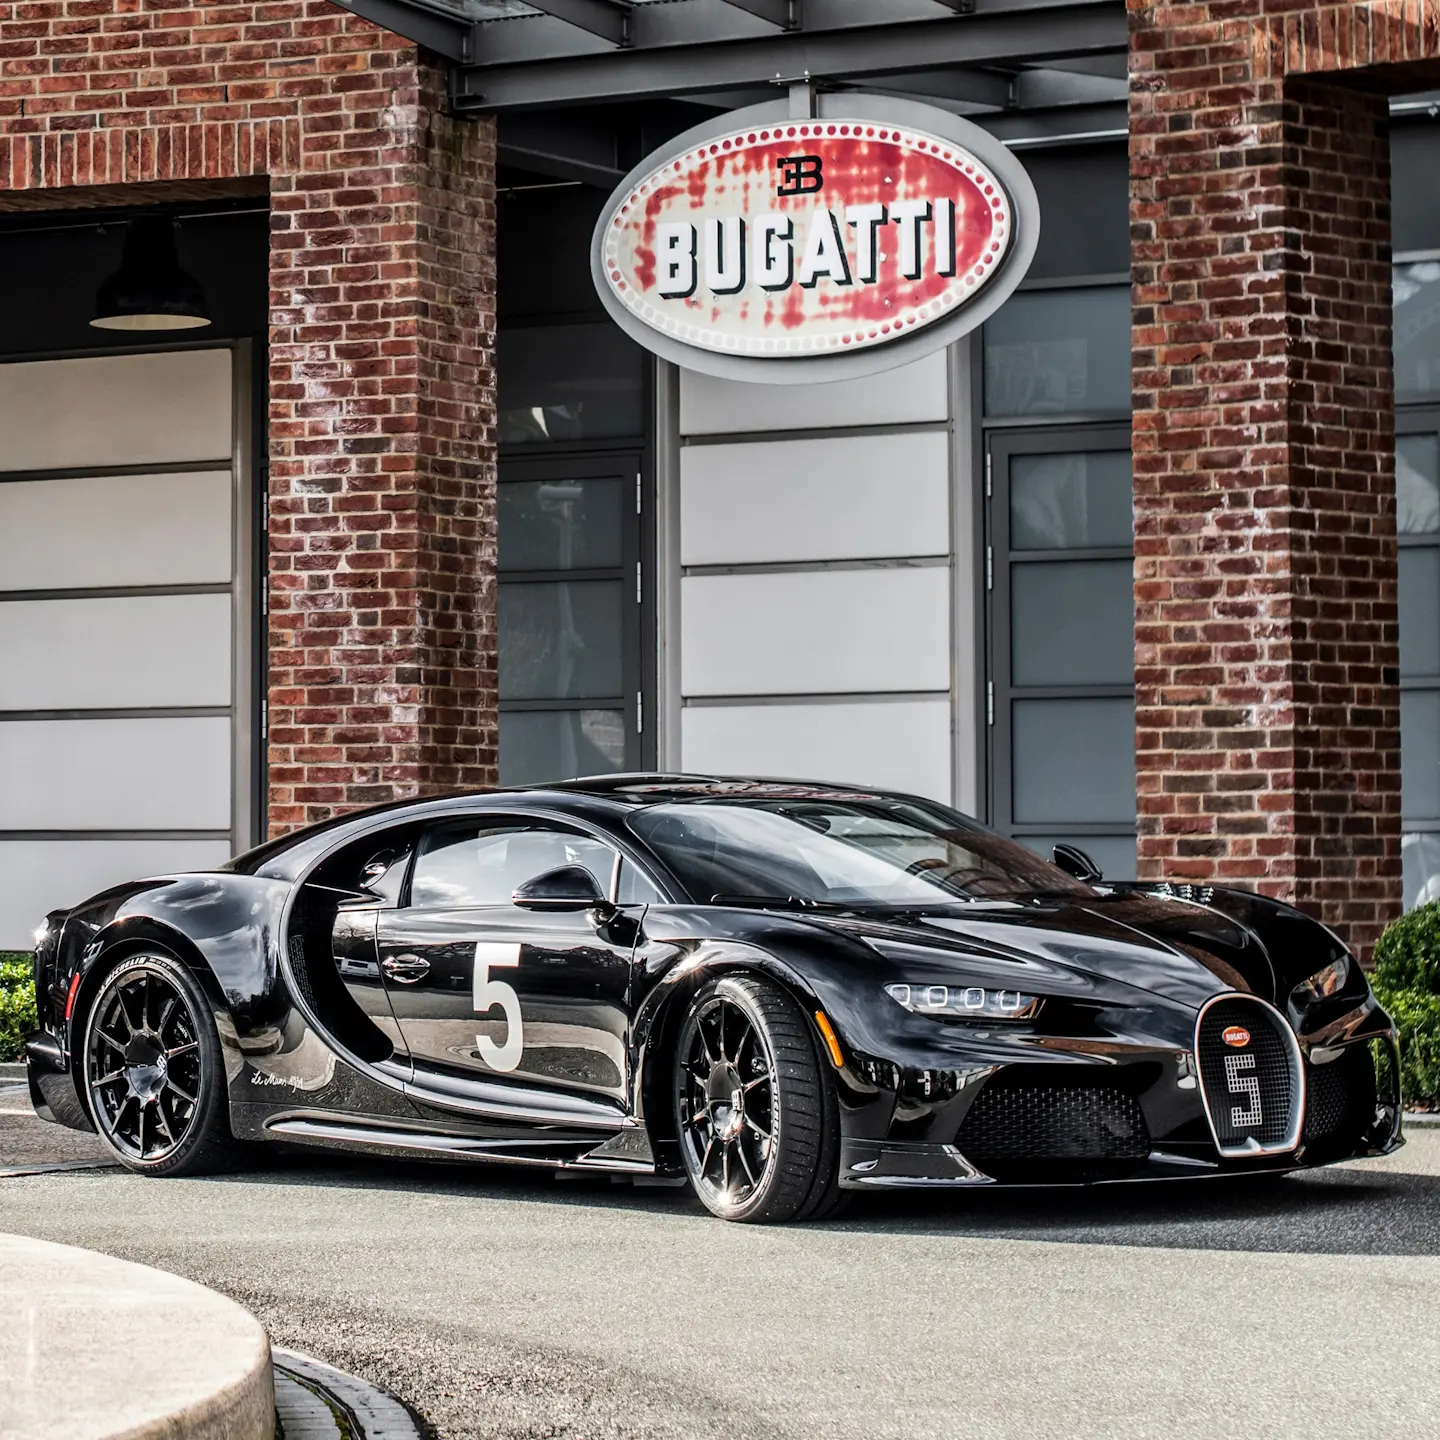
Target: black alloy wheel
(153, 1070)
(755, 1109)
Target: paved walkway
(504, 1304)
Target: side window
(479, 864)
(637, 888)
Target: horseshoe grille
(1254, 1089)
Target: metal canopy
(981, 56)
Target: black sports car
(781, 991)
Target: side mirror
(1074, 861)
(567, 887)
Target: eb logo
(799, 175)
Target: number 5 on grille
(1243, 1117)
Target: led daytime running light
(966, 1002)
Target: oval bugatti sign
(775, 240)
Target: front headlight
(1323, 983)
(965, 1002)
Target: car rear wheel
(754, 1107)
(154, 1074)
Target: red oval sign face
(1235, 1035)
(806, 238)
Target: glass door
(1060, 698)
(1417, 521)
(571, 607)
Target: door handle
(405, 969)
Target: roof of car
(658, 789)
(285, 855)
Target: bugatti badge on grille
(1236, 1036)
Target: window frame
(627, 850)
(489, 821)
(625, 460)
(1418, 420)
(1001, 447)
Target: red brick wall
(382, 530)
(1267, 705)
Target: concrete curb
(369, 1412)
(1422, 1119)
(94, 1348)
(11, 1070)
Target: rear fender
(222, 927)
(140, 938)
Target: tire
(755, 1109)
(153, 1072)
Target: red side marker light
(70, 998)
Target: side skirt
(626, 1153)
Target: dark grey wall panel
(1415, 180)
(1084, 210)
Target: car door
(485, 991)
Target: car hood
(1179, 951)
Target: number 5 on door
(490, 993)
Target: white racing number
(1241, 1117)
(490, 993)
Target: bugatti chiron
(781, 993)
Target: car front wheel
(153, 1070)
(755, 1110)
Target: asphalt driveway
(502, 1304)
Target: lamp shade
(150, 291)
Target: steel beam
(1028, 33)
(439, 30)
(1074, 124)
(993, 89)
(1040, 88)
(609, 19)
(781, 13)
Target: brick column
(382, 483)
(1267, 703)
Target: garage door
(121, 663)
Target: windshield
(842, 852)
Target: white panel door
(116, 530)
(890, 745)
(849, 498)
(131, 774)
(913, 393)
(118, 652)
(115, 410)
(117, 624)
(816, 632)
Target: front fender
(822, 971)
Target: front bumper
(884, 1165)
(904, 1126)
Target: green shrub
(17, 1002)
(1407, 983)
